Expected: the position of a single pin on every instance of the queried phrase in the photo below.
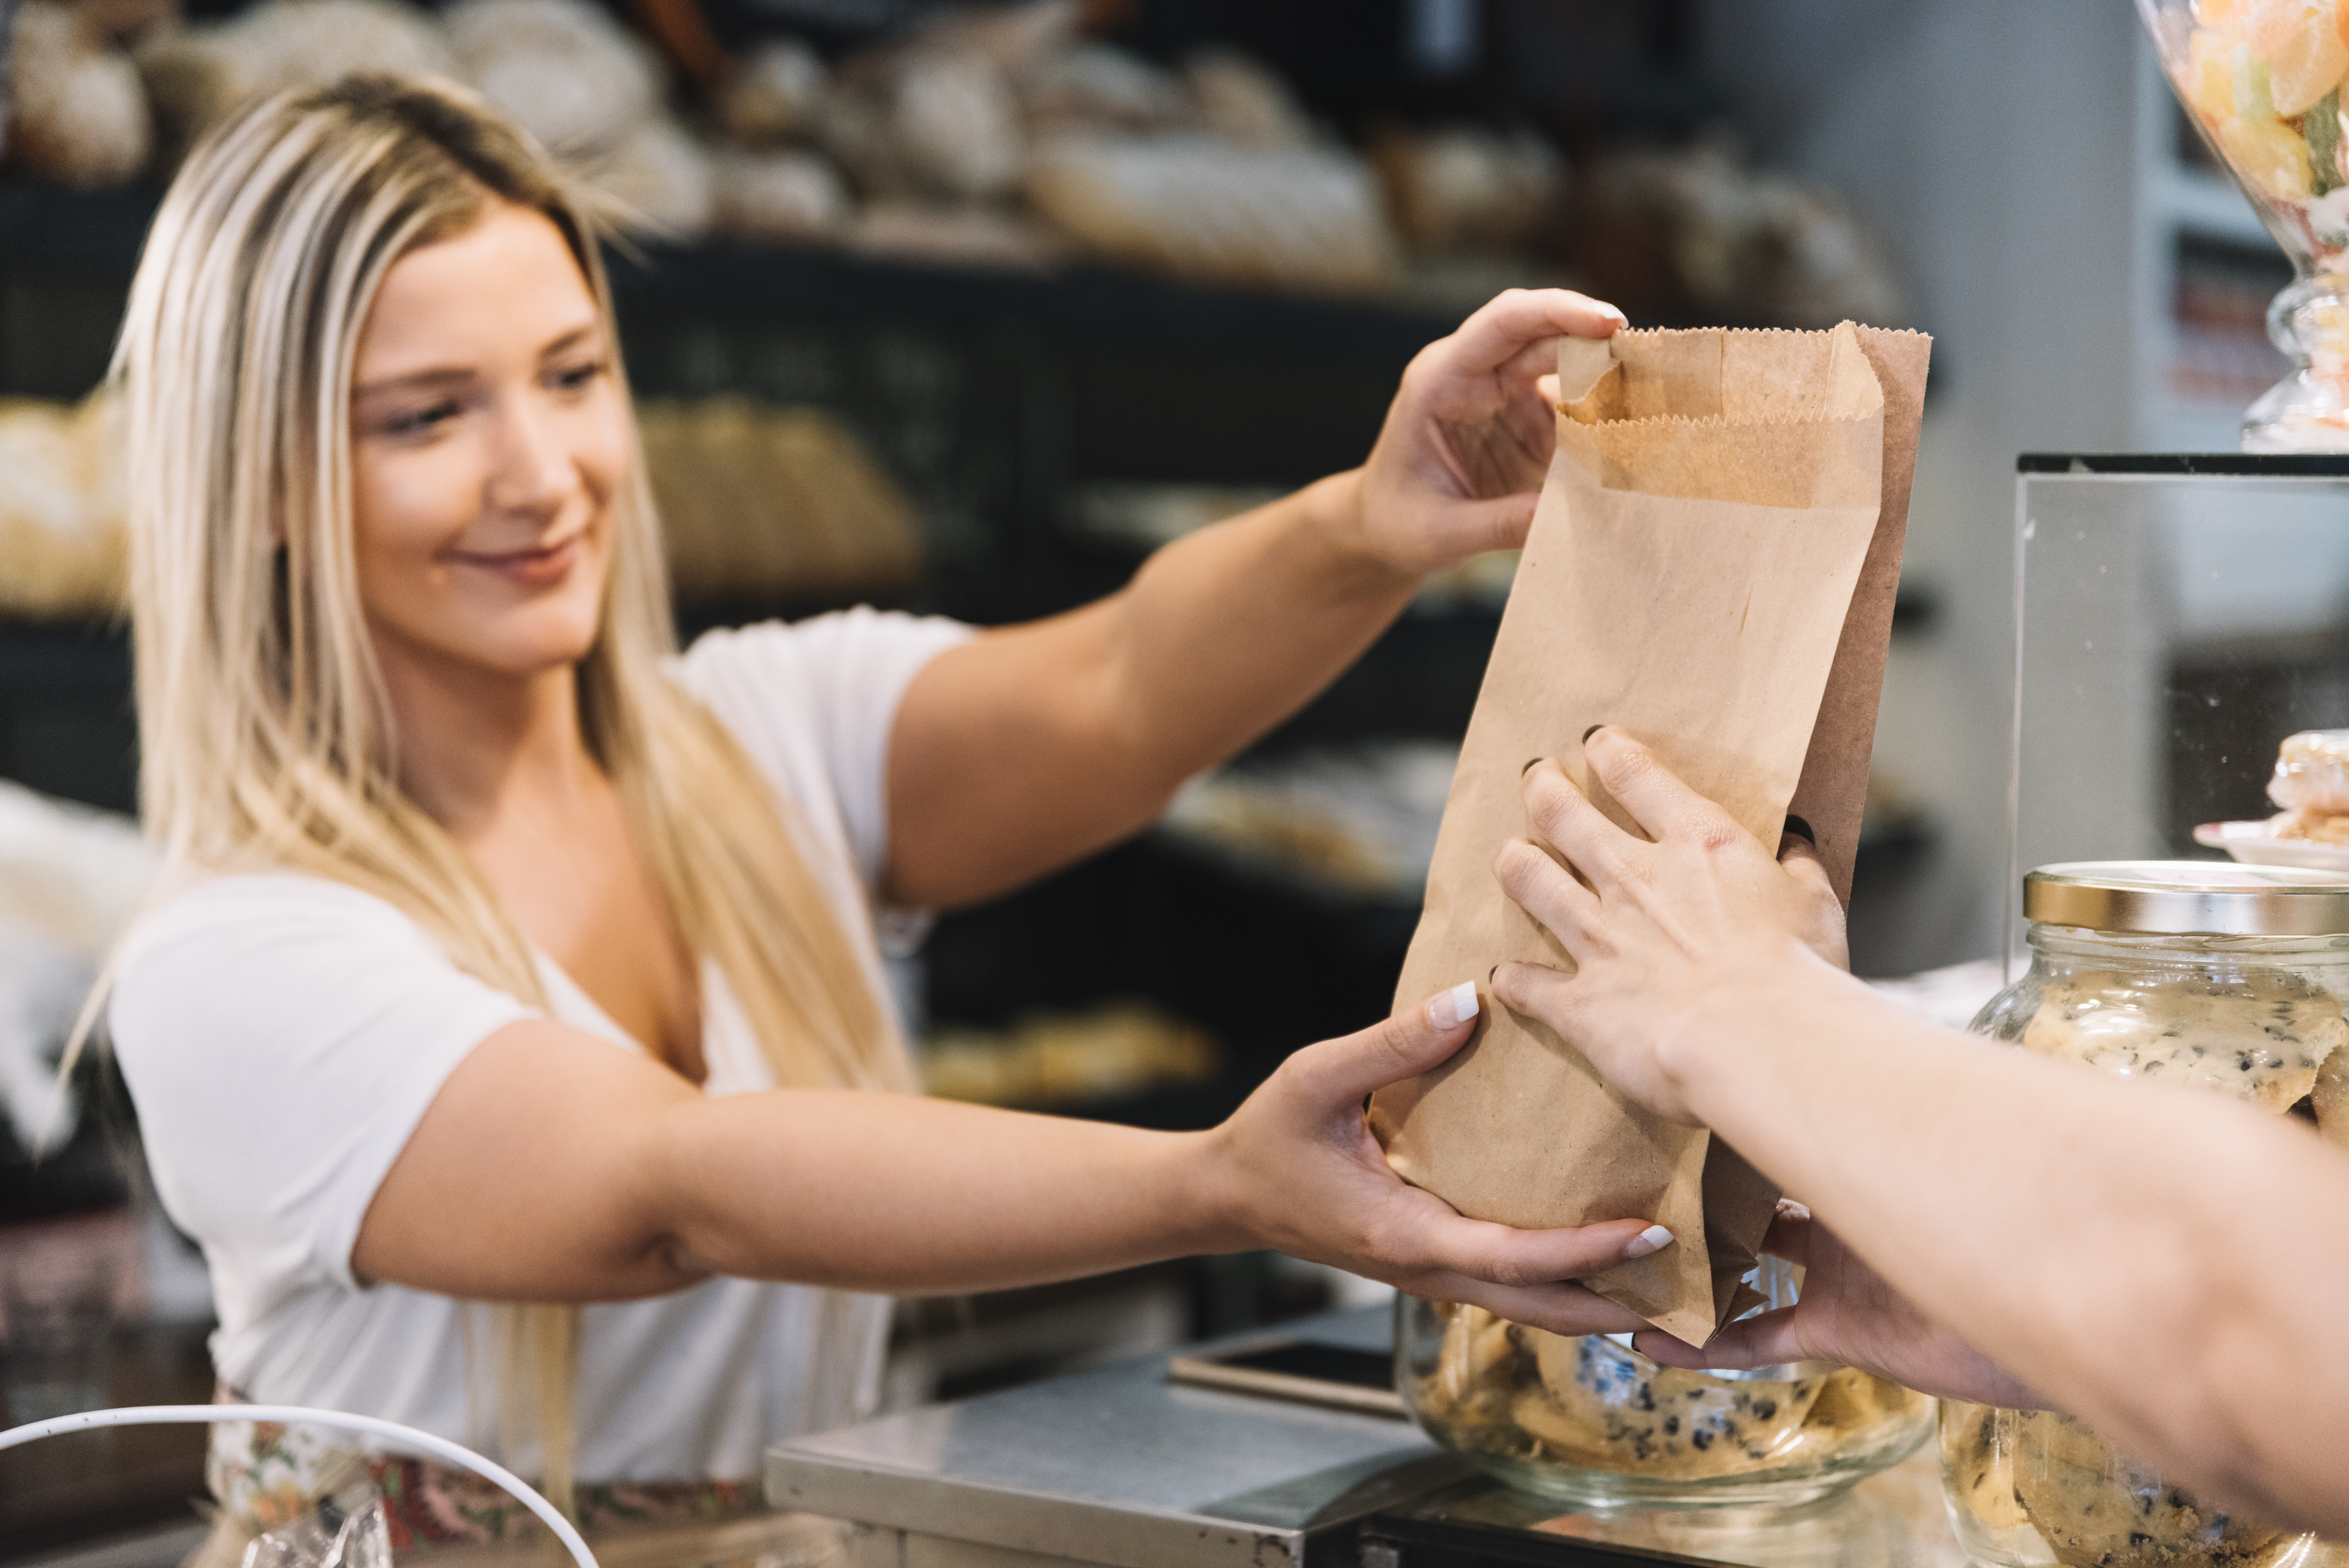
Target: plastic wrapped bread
(1200, 208)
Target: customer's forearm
(2170, 1266)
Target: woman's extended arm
(2170, 1266)
(1037, 744)
(624, 1180)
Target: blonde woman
(520, 961)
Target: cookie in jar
(1586, 1420)
(2222, 979)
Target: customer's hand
(1848, 1315)
(1302, 1174)
(1470, 435)
(1664, 934)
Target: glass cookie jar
(1589, 1420)
(2227, 978)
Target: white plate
(2256, 844)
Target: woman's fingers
(1562, 1308)
(1430, 1234)
(1503, 327)
(1521, 1274)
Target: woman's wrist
(1332, 511)
(1208, 1194)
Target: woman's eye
(420, 421)
(573, 378)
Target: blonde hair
(265, 738)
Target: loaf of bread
(775, 504)
(64, 535)
(565, 71)
(75, 111)
(196, 75)
(659, 179)
(774, 94)
(787, 196)
(1198, 207)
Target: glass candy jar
(2264, 83)
(1590, 1421)
(2228, 978)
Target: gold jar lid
(2213, 898)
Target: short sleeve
(281, 1036)
(815, 704)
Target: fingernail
(1802, 829)
(1450, 1009)
(1591, 731)
(1654, 1239)
(1531, 763)
(1620, 319)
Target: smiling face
(488, 440)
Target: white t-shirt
(281, 1036)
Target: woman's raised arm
(1036, 744)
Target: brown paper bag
(1711, 569)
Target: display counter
(1123, 1467)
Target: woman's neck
(476, 746)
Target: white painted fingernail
(1450, 1009)
(1654, 1239)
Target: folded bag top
(1710, 570)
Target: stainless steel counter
(1118, 1468)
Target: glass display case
(2177, 618)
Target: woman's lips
(539, 568)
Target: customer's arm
(2170, 1266)
(1034, 744)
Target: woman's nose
(530, 468)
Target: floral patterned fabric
(265, 1474)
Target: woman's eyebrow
(568, 341)
(413, 380)
(448, 374)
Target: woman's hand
(1849, 1316)
(1664, 934)
(1470, 435)
(1303, 1175)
